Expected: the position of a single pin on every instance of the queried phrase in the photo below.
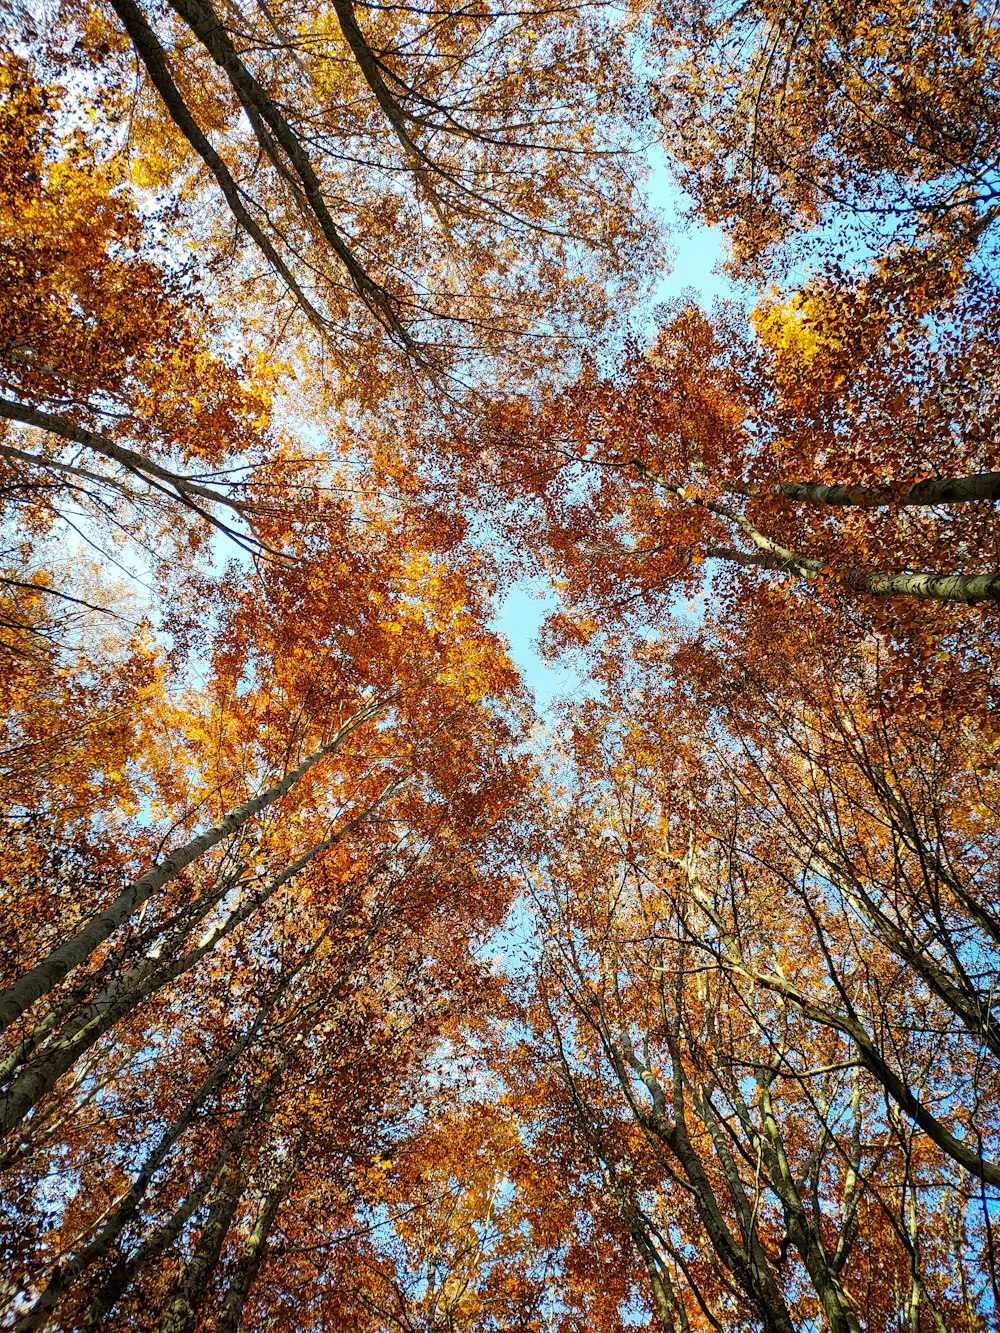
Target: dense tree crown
(342, 990)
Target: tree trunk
(16, 998)
(182, 1312)
(659, 1286)
(125, 1271)
(66, 1273)
(748, 1263)
(803, 1233)
(122, 996)
(968, 588)
(252, 1255)
(118, 453)
(934, 491)
(769, 554)
(154, 59)
(267, 120)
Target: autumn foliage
(343, 986)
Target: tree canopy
(345, 988)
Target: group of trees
(339, 990)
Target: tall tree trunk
(253, 1252)
(804, 1235)
(161, 939)
(968, 588)
(768, 554)
(125, 1271)
(68, 1271)
(129, 990)
(659, 1280)
(747, 1263)
(663, 1295)
(182, 1312)
(934, 491)
(47, 974)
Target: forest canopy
(345, 986)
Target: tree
(685, 997)
(340, 992)
(710, 449)
(878, 126)
(360, 939)
(351, 811)
(107, 349)
(441, 178)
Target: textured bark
(253, 1252)
(182, 1312)
(934, 491)
(968, 588)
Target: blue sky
(696, 265)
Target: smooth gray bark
(768, 554)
